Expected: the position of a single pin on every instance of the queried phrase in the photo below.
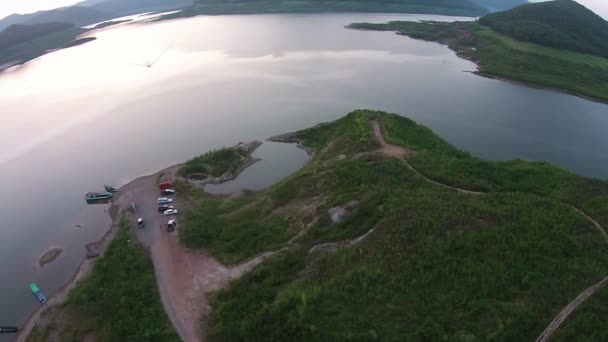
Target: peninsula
(557, 44)
(388, 233)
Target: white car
(167, 192)
(164, 200)
(170, 212)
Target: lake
(76, 119)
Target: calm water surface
(78, 118)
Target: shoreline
(463, 55)
(84, 268)
(87, 263)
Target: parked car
(170, 212)
(165, 185)
(162, 208)
(140, 222)
(171, 225)
(167, 192)
(164, 200)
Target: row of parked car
(164, 204)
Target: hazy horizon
(8, 7)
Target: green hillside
(75, 15)
(500, 5)
(16, 34)
(562, 24)
(409, 260)
(25, 42)
(498, 55)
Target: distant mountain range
(452, 7)
(562, 24)
(75, 15)
(18, 33)
(92, 11)
(129, 7)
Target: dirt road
(402, 153)
(184, 277)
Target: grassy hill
(26, 42)
(16, 34)
(409, 260)
(450, 7)
(562, 24)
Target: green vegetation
(500, 5)
(230, 234)
(499, 55)
(439, 264)
(119, 301)
(215, 163)
(562, 24)
(442, 162)
(26, 42)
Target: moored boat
(6, 330)
(37, 293)
(110, 188)
(97, 196)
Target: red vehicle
(165, 185)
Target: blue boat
(37, 293)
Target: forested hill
(16, 34)
(450, 7)
(75, 15)
(563, 24)
(500, 5)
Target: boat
(97, 196)
(6, 330)
(37, 293)
(110, 188)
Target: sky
(8, 7)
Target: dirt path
(573, 305)
(184, 276)
(402, 153)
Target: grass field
(214, 163)
(499, 55)
(119, 301)
(439, 265)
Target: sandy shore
(83, 270)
